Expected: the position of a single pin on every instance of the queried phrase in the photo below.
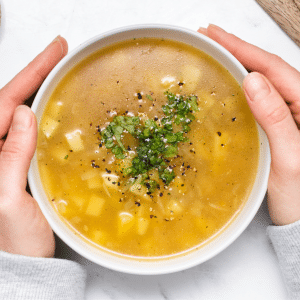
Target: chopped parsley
(157, 141)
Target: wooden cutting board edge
(286, 13)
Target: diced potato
(229, 103)
(221, 141)
(61, 206)
(147, 245)
(46, 175)
(143, 117)
(99, 236)
(178, 184)
(168, 81)
(111, 180)
(174, 207)
(197, 207)
(206, 100)
(191, 76)
(90, 174)
(64, 180)
(76, 108)
(152, 83)
(49, 126)
(55, 109)
(141, 210)
(142, 225)
(125, 222)
(74, 140)
(94, 182)
(205, 103)
(119, 60)
(95, 206)
(153, 175)
(75, 220)
(124, 163)
(203, 149)
(79, 201)
(161, 205)
(139, 190)
(61, 154)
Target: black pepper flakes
(233, 119)
(94, 164)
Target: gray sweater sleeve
(28, 278)
(286, 242)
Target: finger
(28, 80)
(1, 144)
(274, 116)
(284, 77)
(17, 151)
(203, 31)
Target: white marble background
(247, 269)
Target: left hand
(23, 228)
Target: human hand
(23, 228)
(273, 94)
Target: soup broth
(210, 172)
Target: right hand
(273, 94)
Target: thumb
(18, 150)
(274, 116)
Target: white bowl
(172, 263)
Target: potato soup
(148, 148)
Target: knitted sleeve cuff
(27, 278)
(286, 242)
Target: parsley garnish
(157, 142)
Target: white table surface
(247, 269)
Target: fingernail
(22, 118)
(202, 30)
(215, 27)
(256, 86)
(57, 40)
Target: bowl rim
(136, 266)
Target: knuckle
(274, 61)
(278, 115)
(12, 152)
(293, 168)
